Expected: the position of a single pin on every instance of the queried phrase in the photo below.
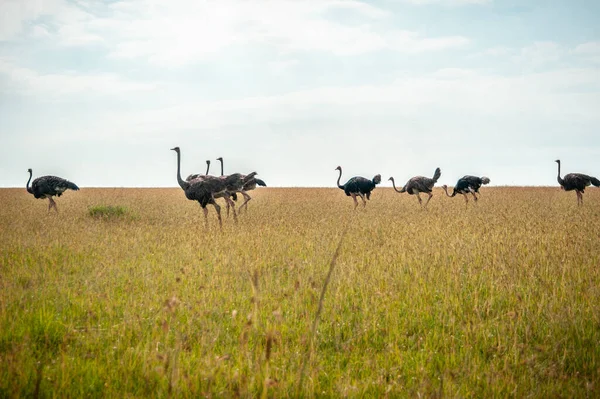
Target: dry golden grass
(497, 299)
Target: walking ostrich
(577, 182)
(234, 195)
(358, 185)
(49, 186)
(204, 190)
(250, 181)
(250, 185)
(198, 175)
(467, 184)
(419, 184)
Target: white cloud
(542, 53)
(182, 32)
(589, 48)
(29, 82)
(15, 13)
(551, 96)
(448, 2)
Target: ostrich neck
(339, 178)
(560, 180)
(394, 185)
(29, 189)
(182, 183)
(446, 190)
(207, 168)
(221, 166)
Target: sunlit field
(497, 299)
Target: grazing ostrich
(467, 184)
(204, 190)
(249, 183)
(419, 184)
(49, 186)
(198, 175)
(358, 185)
(577, 182)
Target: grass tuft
(107, 211)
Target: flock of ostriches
(205, 188)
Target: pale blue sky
(99, 91)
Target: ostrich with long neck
(358, 186)
(198, 175)
(248, 186)
(220, 159)
(419, 184)
(467, 184)
(248, 181)
(577, 182)
(202, 190)
(49, 186)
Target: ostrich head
(377, 179)
(208, 161)
(220, 159)
(391, 178)
(445, 187)
(485, 180)
(29, 170)
(338, 168)
(176, 149)
(557, 161)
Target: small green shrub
(107, 211)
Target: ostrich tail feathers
(249, 176)
(260, 182)
(72, 186)
(595, 182)
(437, 174)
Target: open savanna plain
(303, 297)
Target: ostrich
(419, 184)
(198, 175)
(250, 184)
(358, 185)
(235, 184)
(234, 195)
(204, 190)
(577, 182)
(49, 186)
(467, 184)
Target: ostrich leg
(218, 209)
(428, 199)
(355, 201)
(362, 197)
(247, 199)
(52, 204)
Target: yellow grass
(497, 299)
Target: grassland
(500, 299)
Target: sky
(99, 91)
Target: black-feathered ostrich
(467, 184)
(198, 175)
(577, 182)
(48, 187)
(419, 184)
(250, 182)
(358, 185)
(204, 190)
